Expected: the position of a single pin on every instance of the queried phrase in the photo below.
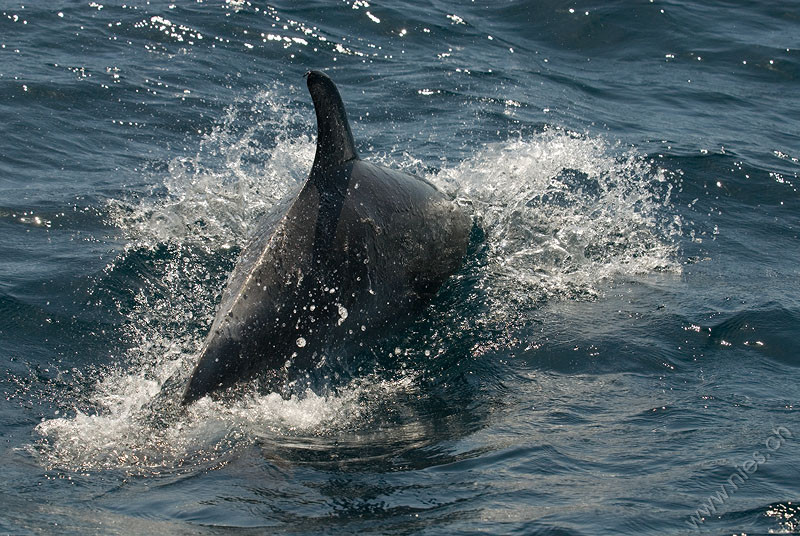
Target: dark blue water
(618, 355)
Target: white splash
(238, 174)
(208, 434)
(560, 212)
(563, 212)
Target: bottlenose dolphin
(358, 250)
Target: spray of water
(560, 213)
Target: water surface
(618, 354)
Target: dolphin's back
(361, 247)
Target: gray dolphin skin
(361, 248)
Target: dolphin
(361, 248)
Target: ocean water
(618, 355)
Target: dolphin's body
(360, 248)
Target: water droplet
(342, 314)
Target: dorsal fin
(335, 144)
